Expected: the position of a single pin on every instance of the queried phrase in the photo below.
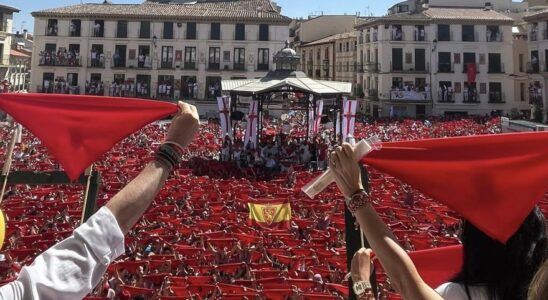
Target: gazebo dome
(287, 59)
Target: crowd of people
(195, 240)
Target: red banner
(471, 72)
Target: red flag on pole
(485, 178)
(77, 130)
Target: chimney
(488, 6)
(25, 34)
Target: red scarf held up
(494, 181)
(438, 265)
(78, 130)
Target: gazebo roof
(284, 80)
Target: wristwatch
(361, 287)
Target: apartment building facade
(155, 50)
(537, 63)
(417, 64)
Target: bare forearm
(396, 262)
(134, 199)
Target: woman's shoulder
(456, 291)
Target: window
(165, 86)
(239, 59)
(397, 59)
(520, 62)
(444, 33)
(420, 34)
(72, 79)
(48, 82)
(240, 32)
(535, 62)
(397, 83)
(53, 28)
(493, 34)
(215, 31)
(340, 47)
(444, 62)
(143, 58)
(213, 87)
(121, 30)
(420, 59)
(495, 65)
(264, 32)
(144, 31)
(190, 58)
(190, 31)
(495, 92)
(75, 27)
(468, 58)
(167, 57)
(119, 56)
(189, 87)
(99, 28)
(168, 31)
(48, 56)
(522, 91)
(263, 59)
(468, 33)
(214, 58)
(95, 85)
(143, 86)
(470, 93)
(97, 56)
(445, 91)
(396, 33)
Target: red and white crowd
(195, 242)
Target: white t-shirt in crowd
(73, 267)
(457, 291)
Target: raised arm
(396, 262)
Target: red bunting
(485, 178)
(78, 130)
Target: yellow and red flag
(270, 213)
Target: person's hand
(360, 268)
(184, 125)
(347, 172)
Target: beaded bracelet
(357, 200)
(168, 155)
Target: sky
(290, 8)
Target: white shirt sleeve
(73, 267)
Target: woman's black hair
(504, 270)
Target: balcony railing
(189, 65)
(533, 35)
(54, 61)
(371, 67)
(396, 95)
(396, 35)
(52, 31)
(371, 93)
(470, 38)
(405, 68)
(494, 36)
(445, 38)
(239, 67)
(96, 63)
(465, 67)
(120, 91)
(420, 37)
(168, 64)
(470, 97)
(119, 64)
(445, 68)
(446, 96)
(263, 67)
(214, 66)
(59, 89)
(495, 69)
(496, 97)
(533, 67)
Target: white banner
(349, 117)
(251, 130)
(224, 116)
(318, 117)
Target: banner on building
(317, 117)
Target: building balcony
(465, 67)
(214, 66)
(59, 89)
(496, 69)
(371, 67)
(3, 26)
(96, 63)
(167, 64)
(446, 68)
(496, 97)
(405, 68)
(239, 67)
(190, 65)
(445, 96)
(263, 67)
(371, 94)
(494, 37)
(533, 67)
(396, 95)
(73, 62)
(119, 64)
(533, 36)
(470, 97)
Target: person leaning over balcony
(73, 267)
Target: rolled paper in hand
(362, 148)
